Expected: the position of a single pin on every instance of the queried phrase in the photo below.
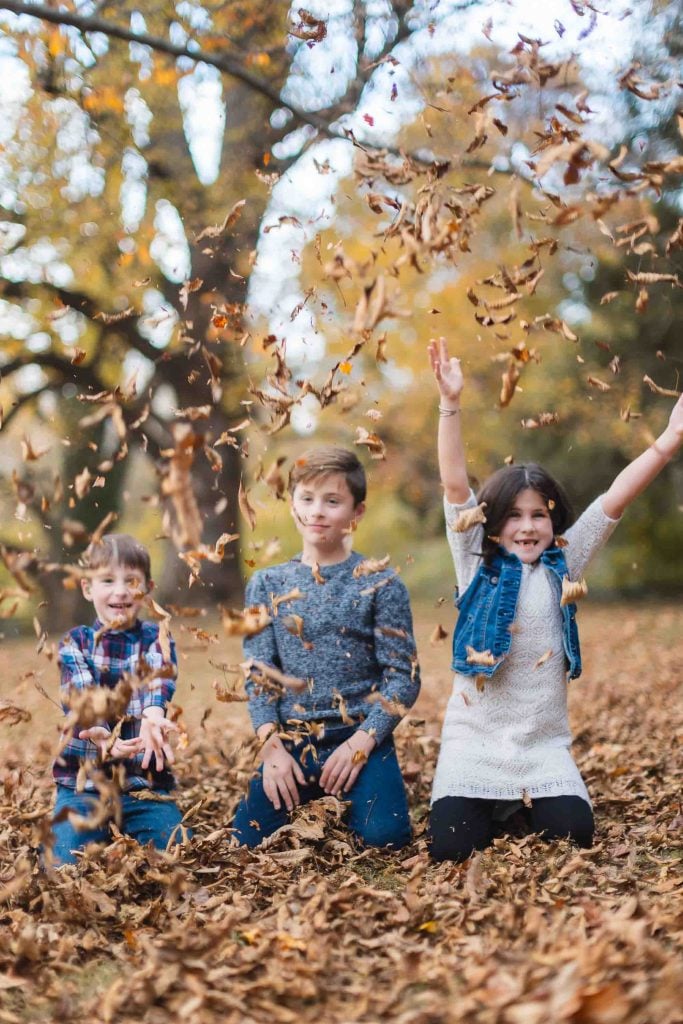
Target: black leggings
(459, 825)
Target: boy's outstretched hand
(446, 370)
(155, 734)
(280, 773)
(344, 764)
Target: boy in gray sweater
(342, 626)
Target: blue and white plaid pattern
(84, 664)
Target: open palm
(446, 369)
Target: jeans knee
(385, 834)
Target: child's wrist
(667, 444)
(449, 407)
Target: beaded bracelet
(448, 412)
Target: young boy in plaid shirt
(130, 741)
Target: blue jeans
(145, 820)
(378, 806)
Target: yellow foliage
(106, 99)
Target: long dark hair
(501, 489)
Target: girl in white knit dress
(519, 565)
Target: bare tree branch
(82, 303)
(235, 69)
(194, 53)
(50, 361)
(23, 400)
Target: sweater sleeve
(585, 538)
(397, 657)
(465, 545)
(263, 707)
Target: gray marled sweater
(357, 640)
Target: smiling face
(325, 514)
(528, 528)
(117, 592)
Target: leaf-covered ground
(312, 929)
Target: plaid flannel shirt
(85, 664)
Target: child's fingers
(130, 746)
(334, 771)
(96, 734)
(344, 782)
(272, 793)
(289, 792)
(330, 771)
(351, 780)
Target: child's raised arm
(633, 480)
(452, 462)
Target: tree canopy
(225, 225)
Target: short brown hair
(118, 549)
(328, 459)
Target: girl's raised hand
(446, 370)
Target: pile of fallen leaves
(312, 928)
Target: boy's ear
(86, 588)
(358, 513)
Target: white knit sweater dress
(512, 739)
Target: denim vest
(487, 610)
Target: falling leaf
(370, 565)
(29, 453)
(509, 383)
(479, 657)
(372, 442)
(669, 392)
(572, 590)
(229, 222)
(309, 28)
(438, 635)
(12, 714)
(544, 658)
(268, 677)
(595, 382)
(468, 518)
(247, 622)
(246, 508)
(315, 572)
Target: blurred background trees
(187, 250)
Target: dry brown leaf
(479, 657)
(669, 392)
(544, 658)
(370, 565)
(438, 635)
(372, 442)
(595, 382)
(572, 590)
(246, 622)
(509, 383)
(468, 518)
(246, 507)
